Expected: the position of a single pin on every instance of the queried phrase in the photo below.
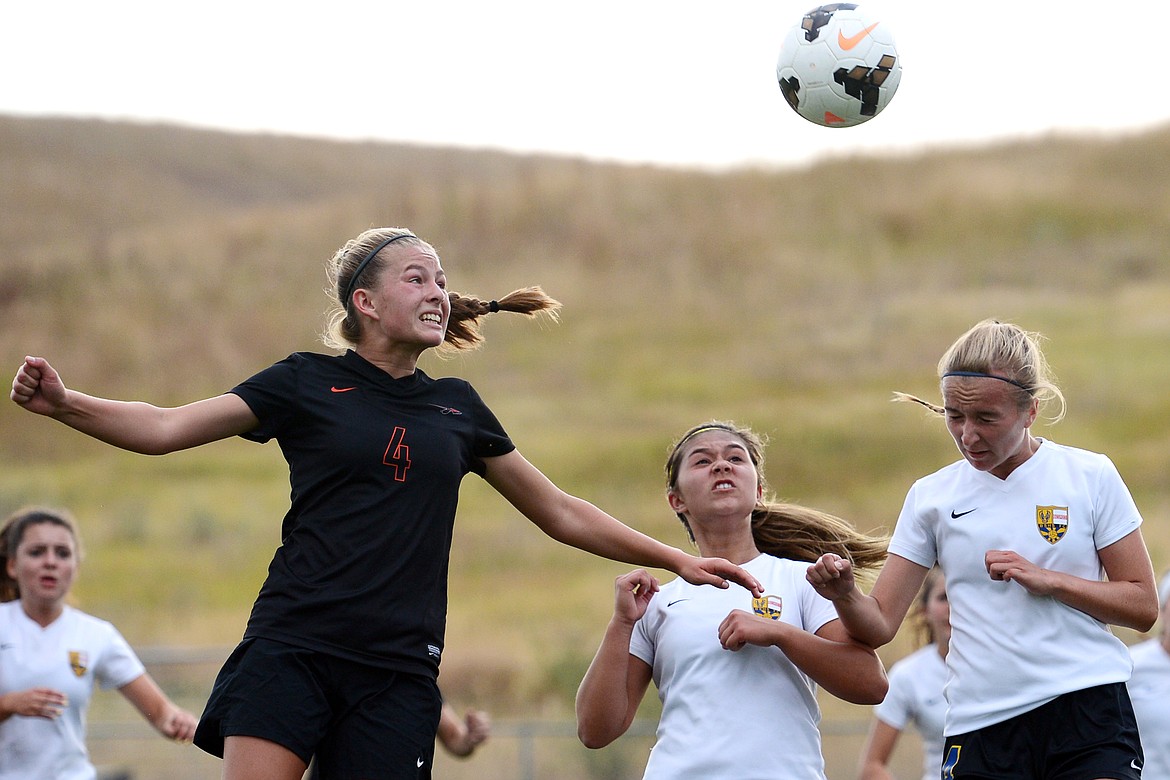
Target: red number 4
(397, 454)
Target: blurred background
(169, 263)
(171, 185)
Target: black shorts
(358, 720)
(1081, 735)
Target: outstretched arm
(616, 681)
(874, 619)
(843, 667)
(578, 523)
(130, 425)
(169, 719)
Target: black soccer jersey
(374, 466)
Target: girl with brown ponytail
(736, 673)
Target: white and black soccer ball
(839, 67)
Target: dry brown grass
(167, 264)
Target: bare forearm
(870, 619)
(153, 430)
(130, 425)
(862, 618)
(1126, 604)
(603, 704)
(575, 521)
(844, 669)
(584, 526)
(167, 718)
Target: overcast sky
(662, 81)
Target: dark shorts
(1081, 735)
(357, 720)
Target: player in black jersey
(342, 649)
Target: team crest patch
(79, 662)
(1052, 522)
(768, 606)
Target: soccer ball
(838, 67)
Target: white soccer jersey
(1149, 689)
(916, 697)
(746, 714)
(1011, 652)
(70, 655)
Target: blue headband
(349, 288)
(981, 375)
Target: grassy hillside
(167, 264)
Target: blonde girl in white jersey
(1041, 548)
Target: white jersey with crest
(916, 696)
(749, 713)
(1010, 651)
(69, 655)
(1149, 689)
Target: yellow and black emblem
(768, 606)
(79, 662)
(1052, 522)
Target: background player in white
(341, 653)
(52, 655)
(916, 691)
(1041, 548)
(1149, 687)
(737, 676)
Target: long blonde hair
(782, 529)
